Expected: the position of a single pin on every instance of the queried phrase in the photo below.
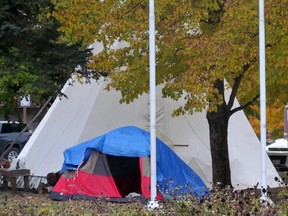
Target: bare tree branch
(236, 85)
(244, 106)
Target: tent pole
(153, 203)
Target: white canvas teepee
(91, 111)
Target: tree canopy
(197, 43)
(32, 59)
(203, 48)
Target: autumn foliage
(203, 48)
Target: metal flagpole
(153, 203)
(262, 62)
(286, 122)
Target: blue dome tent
(117, 163)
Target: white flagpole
(262, 62)
(153, 203)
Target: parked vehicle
(9, 131)
(278, 152)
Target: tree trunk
(218, 129)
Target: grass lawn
(221, 202)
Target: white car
(278, 152)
